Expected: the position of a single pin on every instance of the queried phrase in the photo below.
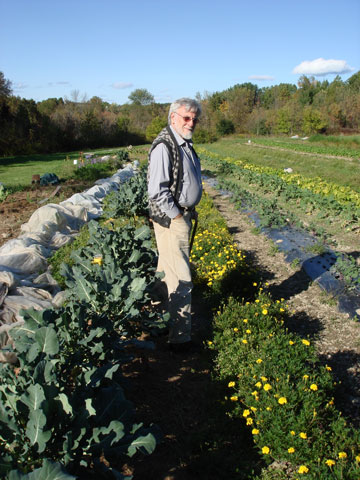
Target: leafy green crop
(3, 192)
(63, 405)
(119, 285)
(129, 200)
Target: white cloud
(121, 85)
(320, 66)
(261, 78)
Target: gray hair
(190, 104)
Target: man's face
(183, 122)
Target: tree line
(58, 124)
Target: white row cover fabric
(22, 259)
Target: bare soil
(18, 207)
(176, 391)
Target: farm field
(276, 153)
(203, 436)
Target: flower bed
(274, 380)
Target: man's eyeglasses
(188, 119)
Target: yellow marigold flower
(244, 341)
(342, 455)
(291, 450)
(263, 379)
(291, 342)
(265, 450)
(253, 409)
(264, 311)
(209, 342)
(255, 431)
(246, 413)
(236, 329)
(305, 377)
(292, 432)
(257, 301)
(245, 320)
(248, 331)
(234, 398)
(282, 400)
(302, 435)
(282, 310)
(209, 284)
(254, 393)
(330, 462)
(305, 342)
(249, 421)
(254, 284)
(258, 385)
(328, 368)
(357, 458)
(303, 469)
(231, 384)
(267, 387)
(313, 387)
(259, 360)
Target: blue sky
(108, 48)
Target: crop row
(272, 186)
(309, 148)
(335, 196)
(273, 378)
(63, 410)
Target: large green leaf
(84, 289)
(34, 430)
(85, 264)
(146, 444)
(47, 340)
(139, 283)
(48, 471)
(105, 437)
(11, 396)
(33, 397)
(110, 404)
(142, 233)
(8, 427)
(65, 403)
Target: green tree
(354, 82)
(5, 86)
(141, 96)
(283, 121)
(155, 127)
(47, 107)
(225, 127)
(313, 121)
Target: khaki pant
(173, 248)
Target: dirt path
(177, 393)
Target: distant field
(17, 171)
(310, 159)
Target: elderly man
(174, 188)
